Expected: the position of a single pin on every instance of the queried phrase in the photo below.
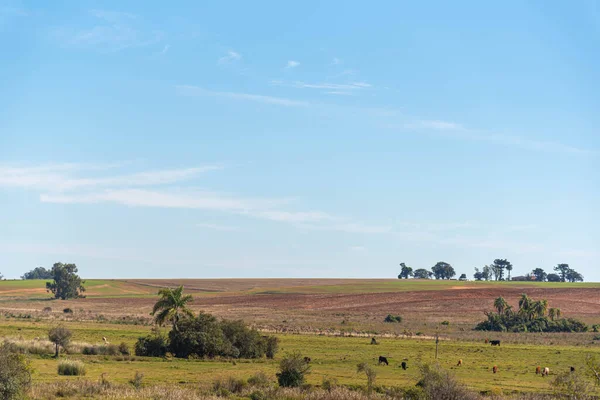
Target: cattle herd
(538, 370)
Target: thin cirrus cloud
(292, 64)
(72, 184)
(459, 131)
(229, 58)
(111, 31)
(64, 177)
(217, 227)
(324, 85)
(190, 90)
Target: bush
(260, 379)
(596, 337)
(445, 323)
(292, 369)
(15, 374)
(243, 341)
(596, 328)
(393, 318)
(229, 385)
(571, 386)
(71, 368)
(124, 349)
(136, 381)
(68, 311)
(440, 384)
(272, 346)
(153, 345)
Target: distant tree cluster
(441, 270)
(38, 273)
(495, 271)
(532, 316)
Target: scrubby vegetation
(532, 316)
(71, 368)
(292, 370)
(393, 318)
(15, 374)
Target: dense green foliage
(152, 345)
(205, 336)
(422, 273)
(71, 368)
(532, 316)
(38, 273)
(393, 318)
(66, 283)
(15, 374)
(405, 272)
(443, 270)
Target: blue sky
(313, 139)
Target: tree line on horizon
(499, 270)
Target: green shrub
(437, 383)
(258, 395)
(292, 370)
(393, 318)
(596, 328)
(272, 346)
(445, 323)
(229, 385)
(15, 374)
(260, 379)
(124, 349)
(596, 337)
(71, 368)
(153, 345)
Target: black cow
(307, 360)
(572, 369)
(495, 342)
(403, 365)
(374, 341)
(383, 360)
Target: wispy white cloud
(292, 64)
(63, 177)
(348, 227)
(325, 85)
(112, 31)
(357, 248)
(165, 49)
(230, 57)
(336, 61)
(217, 227)
(459, 131)
(280, 101)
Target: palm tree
(539, 308)
(500, 304)
(172, 306)
(554, 313)
(524, 303)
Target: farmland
(329, 320)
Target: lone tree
(443, 270)
(60, 336)
(66, 283)
(422, 273)
(405, 271)
(172, 307)
(540, 274)
(499, 266)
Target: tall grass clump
(15, 374)
(71, 368)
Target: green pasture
(332, 357)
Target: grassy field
(332, 357)
(326, 306)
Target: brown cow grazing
(572, 369)
(383, 360)
(546, 371)
(494, 369)
(459, 363)
(538, 370)
(487, 341)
